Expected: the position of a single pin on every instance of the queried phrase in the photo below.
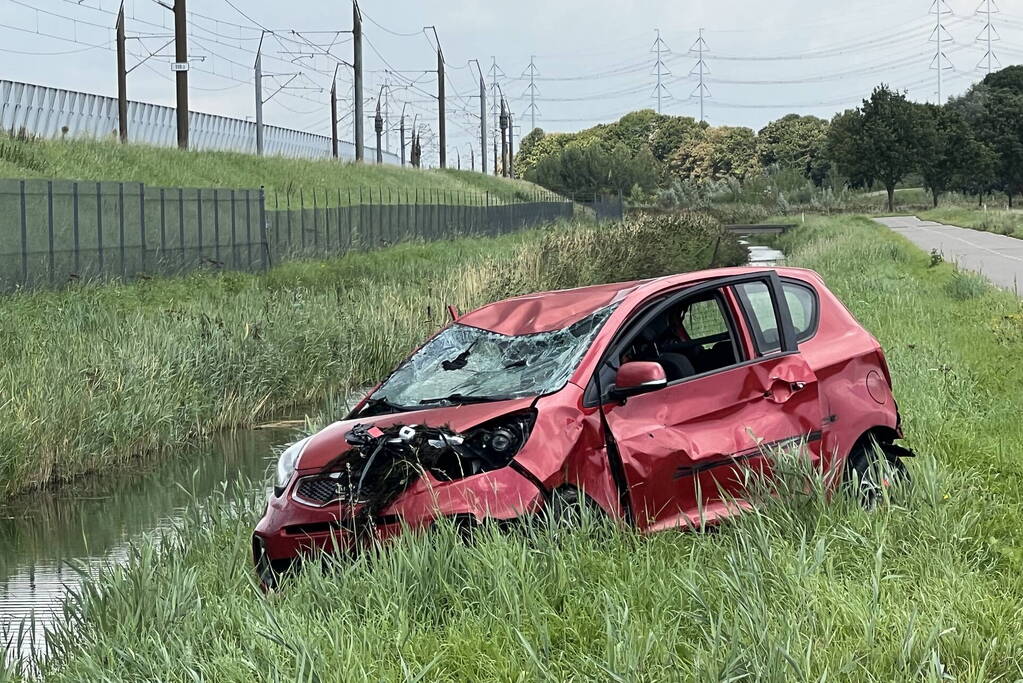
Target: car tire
(568, 508)
(870, 469)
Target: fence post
(75, 227)
(163, 225)
(120, 224)
(351, 234)
(198, 218)
(142, 227)
(181, 226)
(301, 216)
(216, 227)
(234, 232)
(316, 224)
(264, 233)
(338, 217)
(248, 229)
(24, 236)
(99, 223)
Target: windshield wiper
(463, 399)
(374, 404)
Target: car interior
(688, 339)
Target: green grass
(92, 160)
(1001, 221)
(99, 376)
(806, 588)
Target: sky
(594, 60)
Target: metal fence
(54, 232)
(53, 113)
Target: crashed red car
(650, 400)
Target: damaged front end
(383, 463)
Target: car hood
(329, 443)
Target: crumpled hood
(329, 443)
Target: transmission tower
(495, 108)
(660, 68)
(701, 69)
(939, 8)
(989, 35)
(532, 72)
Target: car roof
(556, 310)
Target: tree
(1009, 78)
(796, 141)
(722, 152)
(994, 110)
(674, 133)
(951, 157)
(879, 142)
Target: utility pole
(483, 119)
(532, 90)
(378, 126)
(360, 146)
(458, 158)
(660, 68)
(181, 70)
(939, 9)
(989, 35)
(259, 96)
(701, 69)
(504, 138)
(122, 79)
(495, 72)
(387, 112)
(442, 126)
(333, 114)
(472, 158)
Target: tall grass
(1001, 222)
(806, 587)
(93, 160)
(102, 376)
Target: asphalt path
(997, 257)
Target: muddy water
(94, 522)
(765, 256)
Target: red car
(645, 399)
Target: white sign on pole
(179, 66)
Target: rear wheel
(568, 508)
(872, 469)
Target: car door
(684, 450)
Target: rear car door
(684, 451)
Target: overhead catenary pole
(181, 75)
(259, 96)
(495, 71)
(483, 119)
(511, 143)
(442, 126)
(122, 79)
(503, 120)
(401, 134)
(360, 145)
(378, 125)
(333, 114)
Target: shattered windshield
(466, 364)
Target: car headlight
(286, 464)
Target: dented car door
(686, 449)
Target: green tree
(951, 157)
(995, 113)
(674, 133)
(879, 142)
(797, 142)
(722, 152)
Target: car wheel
(871, 469)
(567, 508)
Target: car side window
(690, 337)
(755, 298)
(803, 307)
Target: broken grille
(319, 490)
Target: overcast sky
(593, 58)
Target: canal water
(94, 521)
(764, 256)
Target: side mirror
(633, 379)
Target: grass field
(92, 160)
(1001, 221)
(102, 376)
(806, 588)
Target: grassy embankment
(91, 160)
(1001, 221)
(103, 376)
(805, 589)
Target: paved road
(997, 257)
